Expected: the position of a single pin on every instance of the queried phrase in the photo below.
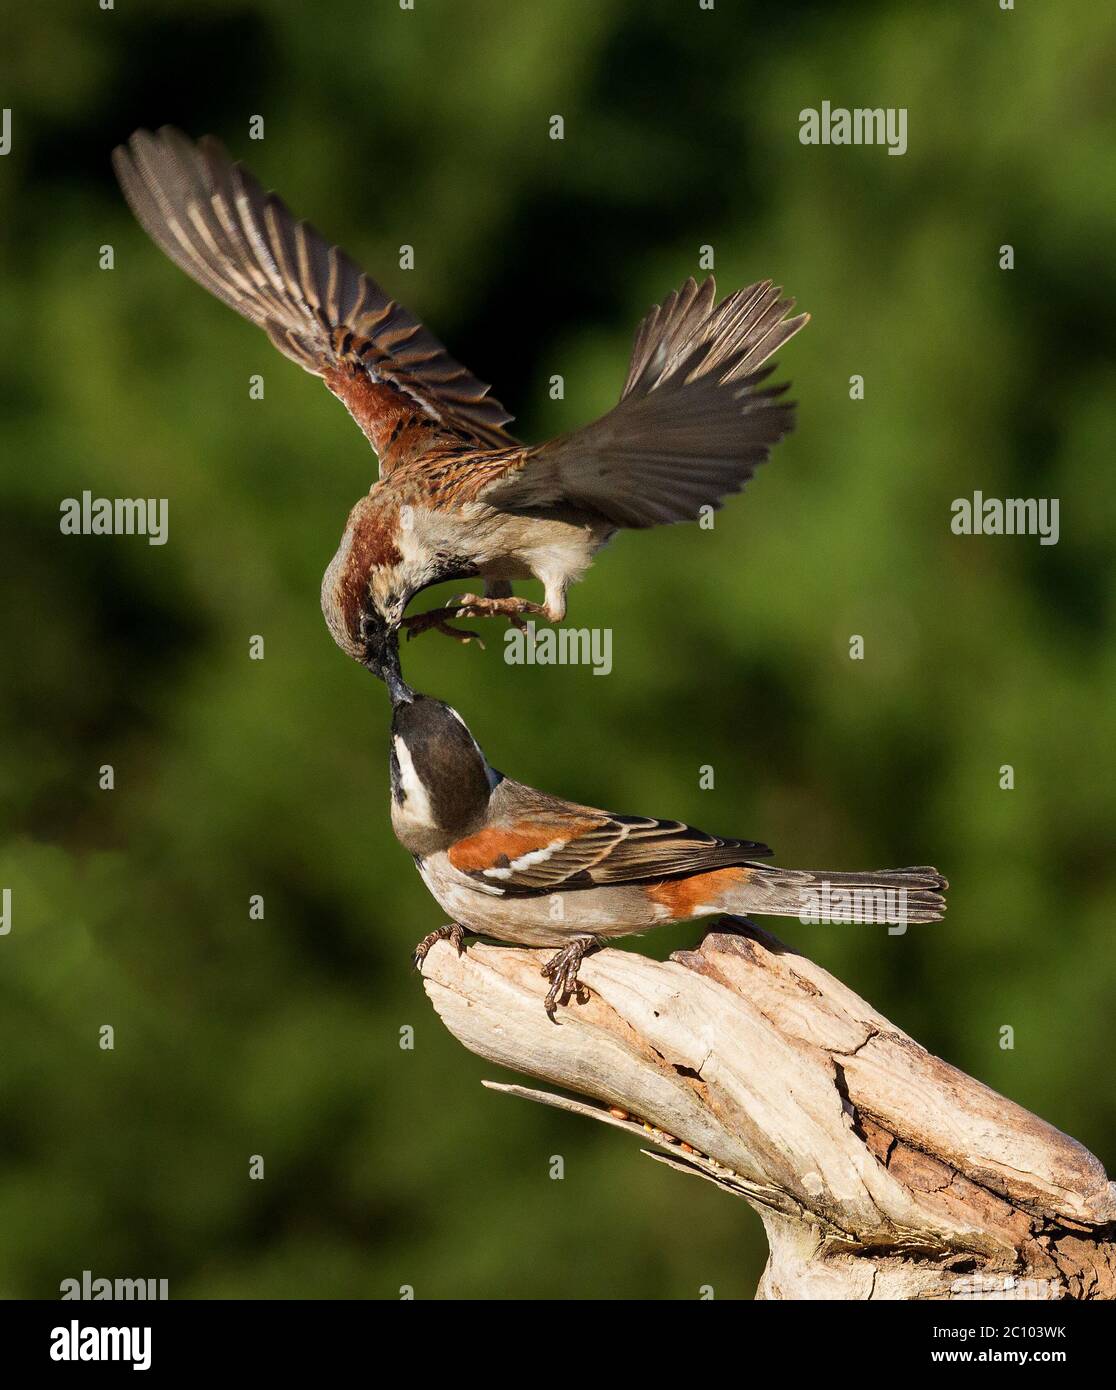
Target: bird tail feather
(893, 896)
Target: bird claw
(561, 970)
(453, 932)
(510, 607)
(436, 619)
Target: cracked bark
(879, 1170)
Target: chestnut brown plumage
(458, 496)
(507, 861)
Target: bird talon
(436, 619)
(453, 932)
(562, 970)
(510, 607)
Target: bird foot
(436, 618)
(561, 970)
(453, 932)
(512, 608)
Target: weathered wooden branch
(879, 1170)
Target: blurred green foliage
(234, 1037)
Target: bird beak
(400, 692)
(383, 661)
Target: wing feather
(692, 425)
(213, 219)
(576, 848)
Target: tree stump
(879, 1170)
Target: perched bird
(507, 861)
(458, 496)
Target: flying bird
(506, 861)
(458, 496)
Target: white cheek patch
(533, 856)
(416, 800)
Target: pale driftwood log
(879, 1170)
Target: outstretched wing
(541, 853)
(693, 422)
(216, 223)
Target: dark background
(281, 1038)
